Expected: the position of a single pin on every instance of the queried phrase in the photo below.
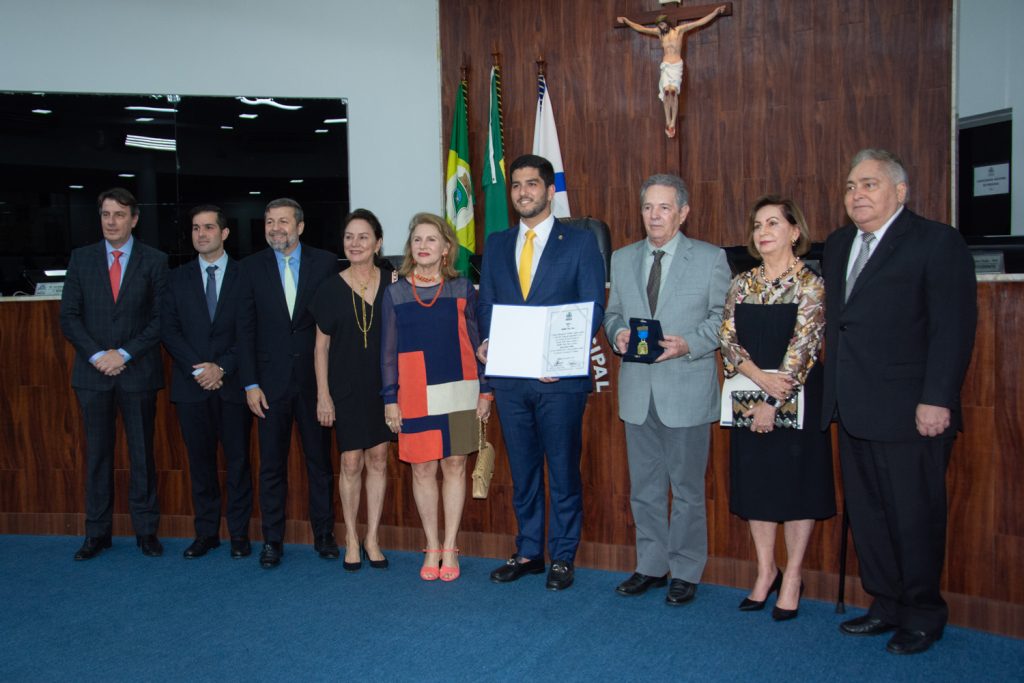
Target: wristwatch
(772, 401)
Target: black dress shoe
(271, 554)
(749, 605)
(326, 546)
(150, 545)
(201, 546)
(353, 566)
(514, 569)
(560, 576)
(866, 625)
(906, 642)
(382, 563)
(680, 592)
(639, 583)
(780, 614)
(92, 546)
(240, 547)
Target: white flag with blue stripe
(545, 144)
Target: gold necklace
(363, 325)
(785, 273)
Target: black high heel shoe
(354, 566)
(779, 614)
(376, 564)
(749, 605)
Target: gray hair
(667, 180)
(285, 202)
(894, 167)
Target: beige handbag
(484, 469)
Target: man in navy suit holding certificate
(541, 262)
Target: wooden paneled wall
(776, 97)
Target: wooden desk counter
(42, 490)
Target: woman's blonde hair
(447, 269)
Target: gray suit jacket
(690, 304)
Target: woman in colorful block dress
(433, 394)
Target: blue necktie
(211, 290)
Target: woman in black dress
(347, 361)
(774, 319)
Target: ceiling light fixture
(336, 120)
(162, 110)
(321, 130)
(143, 142)
(42, 111)
(268, 101)
(248, 116)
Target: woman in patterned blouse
(772, 330)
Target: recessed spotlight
(42, 111)
(255, 192)
(76, 187)
(125, 175)
(321, 130)
(144, 119)
(248, 116)
(295, 181)
(335, 120)
(227, 127)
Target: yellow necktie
(526, 263)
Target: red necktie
(115, 274)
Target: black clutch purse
(787, 414)
(644, 336)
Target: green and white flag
(493, 180)
(458, 210)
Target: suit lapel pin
(561, 236)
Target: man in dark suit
(276, 335)
(541, 262)
(199, 330)
(901, 312)
(110, 312)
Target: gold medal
(641, 348)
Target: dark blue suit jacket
(190, 336)
(92, 321)
(270, 345)
(571, 270)
(906, 333)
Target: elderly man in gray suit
(667, 405)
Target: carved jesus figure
(672, 62)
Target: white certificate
(540, 341)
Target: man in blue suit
(199, 314)
(276, 334)
(541, 262)
(110, 312)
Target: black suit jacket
(906, 333)
(191, 337)
(271, 347)
(92, 322)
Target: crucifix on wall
(671, 29)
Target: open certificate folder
(540, 341)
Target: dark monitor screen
(58, 151)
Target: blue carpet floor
(125, 617)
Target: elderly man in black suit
(901, 312)
(199, 331)
(110, 312)
(276, 336)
